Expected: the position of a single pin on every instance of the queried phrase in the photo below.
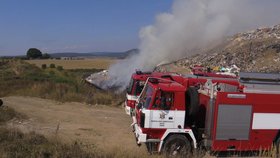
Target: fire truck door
(162, 119)
(163, 116)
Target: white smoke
(190, 25)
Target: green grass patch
(18, 77)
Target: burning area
(190, 27)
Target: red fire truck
(221, 114)
(137, 83)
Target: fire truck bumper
(140, 137)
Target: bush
(51, 73)
(44, 66)
(52, 65)
(7, 114)
(59, 68)
(14, 143)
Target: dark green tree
(46, 56)
(33, 53)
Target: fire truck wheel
(177, 146)
(192, 101)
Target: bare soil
(107, 128)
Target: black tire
(177, 146)
(1, 102)
(192, 102)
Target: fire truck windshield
(130, 86)
(146, 97)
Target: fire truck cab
(134, 89)
(136, 84)
(218, 115)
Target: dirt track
(108, 128)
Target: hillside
(253, 51)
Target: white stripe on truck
(131, 97)
(266, 121)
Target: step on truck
(220, 115)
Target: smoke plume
(193, 24)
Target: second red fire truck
(137, 83)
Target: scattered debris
(98, 79)
(102, 81)
(199, 70)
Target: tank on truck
(238, 114)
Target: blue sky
(75, 25)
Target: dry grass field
(97, 63)
(102, 129)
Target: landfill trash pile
(252, 51)
(227, 71)
(260, 33)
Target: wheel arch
(184, 134)
(188, 134)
